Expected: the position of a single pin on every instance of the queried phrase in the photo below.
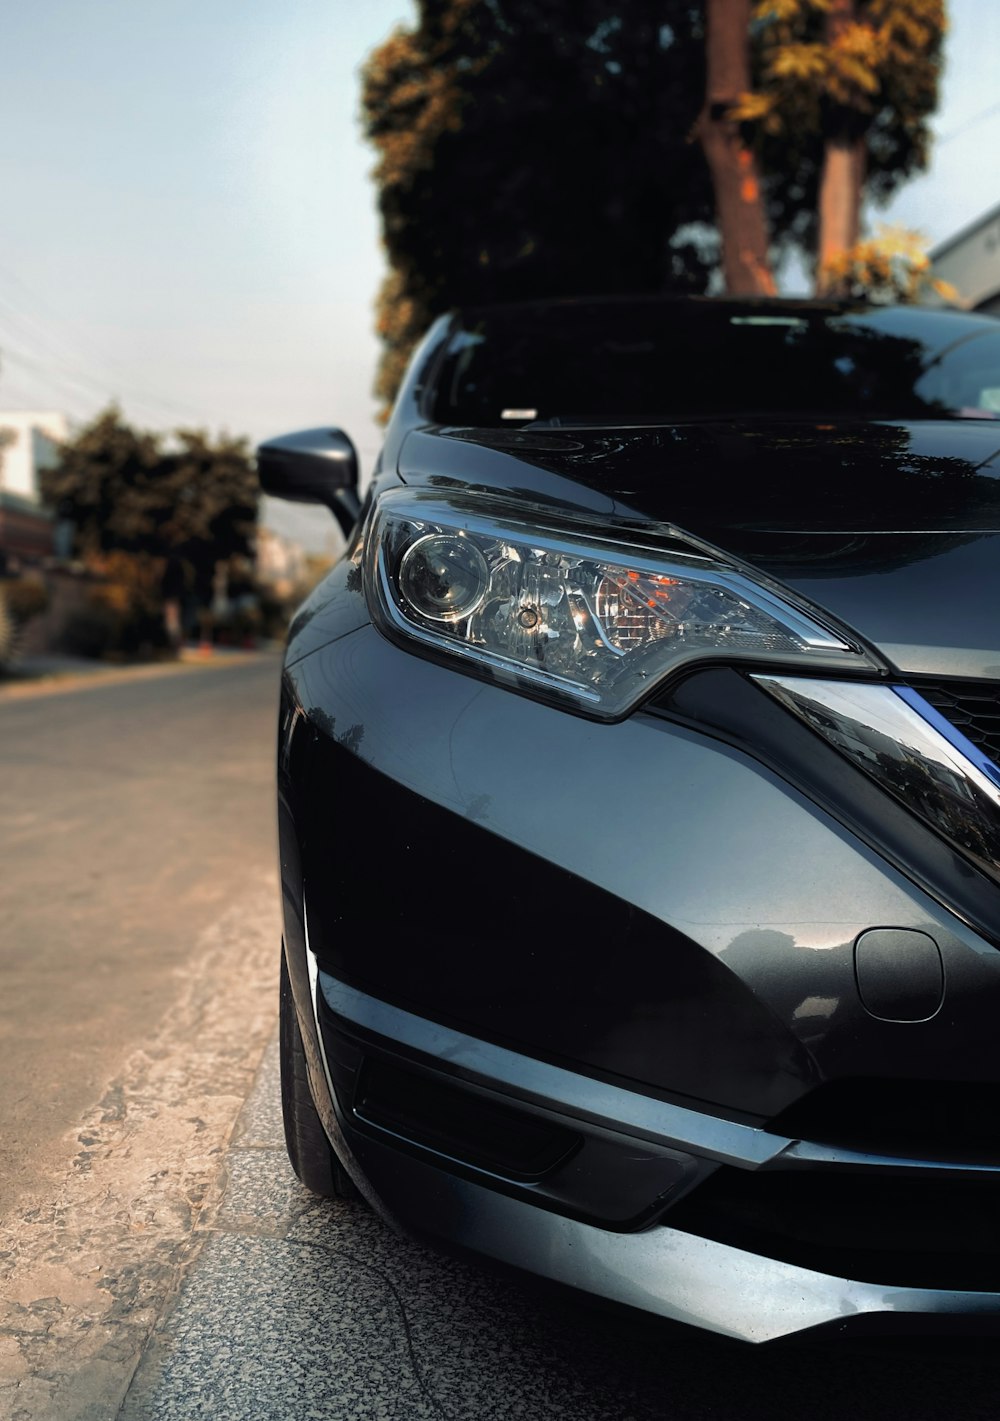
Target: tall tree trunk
(739, 204)
(842, 178)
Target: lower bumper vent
(454, 1122)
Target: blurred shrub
(26, 596)
(121, 617)
(891, 267)
(89, 630)
(7, 631)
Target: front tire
(309, 1150)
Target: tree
(154, 515)
(556, 147)
(844, 91)
(739, 201)
(534, 148)
(210, 494)
(105, 485)
(127, 490)
(149, 511)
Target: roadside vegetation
(532, 148)
(150, 523)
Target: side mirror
(313, 466)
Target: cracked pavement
(88, 1268)
(305, 1308)
(139, 970)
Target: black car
(640, 808)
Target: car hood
(893, 527)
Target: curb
(60, 682)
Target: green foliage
(872, 76)
(8, 632)
(212, 494)
(25, 596)
(534, 148)
(893, 266)
(131, 491)
(105, 482)
(21, 598)
(142, 505)
(870, 61)
(121, 614)
(546, 147)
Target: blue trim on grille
(951, 733)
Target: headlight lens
(443, 577)
(554, 610)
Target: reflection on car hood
(894, 527)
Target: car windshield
(620, 362)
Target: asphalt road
(138, 962)
(158, 1261)
(134, 815)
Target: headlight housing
(591, 619)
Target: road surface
(158, 1261)
(138, 957)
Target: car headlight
(592, 619)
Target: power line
(44, 355)
(81, 392)
(41, 340)
(89, 351)
(969, 123)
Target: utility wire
(74, 386)
(49, 357)
(79, 356)
(969, 123)
(89, 352)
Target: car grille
(931, 1223)
(943, 1121)
(912, 1232)
(973, 707)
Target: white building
(29, 441)
(971, 262)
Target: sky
(187, 221)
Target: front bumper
(668, 1271)
(642, 938)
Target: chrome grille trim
(894, 736)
